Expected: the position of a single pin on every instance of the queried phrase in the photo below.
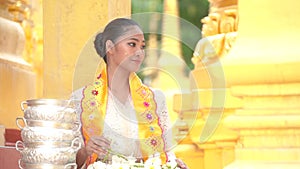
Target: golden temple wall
(267, 59)
(251, 62)
(17, 75)
(68, 26)
(38, 60)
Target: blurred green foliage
(191, 11)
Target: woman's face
(127, 53)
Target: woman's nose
(140, 52)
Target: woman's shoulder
(158, 94)
(77, 94)
(157, 91)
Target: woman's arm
(166, 126)
(81, 154)
(81, 157)
(164, 119)
(96, 144)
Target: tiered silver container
(50, 134)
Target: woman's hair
(112, 31)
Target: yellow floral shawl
(94, 103)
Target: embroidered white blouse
(121, 126)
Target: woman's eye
(132, 44)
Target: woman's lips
(136, 61)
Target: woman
(119, 114)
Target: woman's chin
(134, 68)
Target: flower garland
(118, 162)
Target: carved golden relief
(223, 21)
(219, 31)
(15, 10)
(20, 11)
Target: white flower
(120, 166)
(153, 163)
(97, 165)
(154, 160)
(137, 166)
(131, 160)
(172, 163)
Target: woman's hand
(98, 145)
(181, 164)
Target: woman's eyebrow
(135, 39)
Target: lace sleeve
(76, 97)
(164, 119)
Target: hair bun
(99, 45)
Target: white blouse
(121, 126)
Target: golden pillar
(171, 59)
(262, 70)
(68, 27)
(171, 78)
(209, 101)
(17, 73)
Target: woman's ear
(109, 45)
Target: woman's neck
(118, 83)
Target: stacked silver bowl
(50, 133)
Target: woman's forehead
(132, 31)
